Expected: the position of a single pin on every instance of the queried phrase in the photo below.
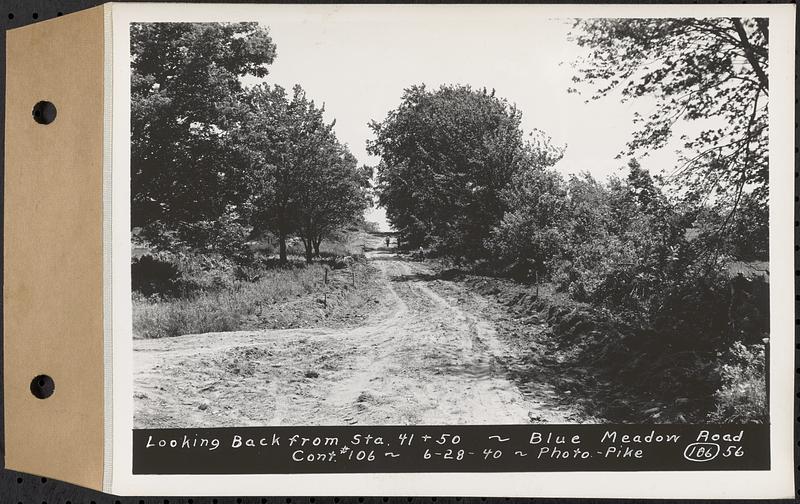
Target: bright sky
(358, 62)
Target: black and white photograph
(356, 221)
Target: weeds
(177, 293)
(742, 398)
(222, 310)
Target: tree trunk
(282, 240)
(309, 251)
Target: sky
(358, 62)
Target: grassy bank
(189, 293)
(280, 299)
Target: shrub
(150, 275)
(742, 397)
(181, 274)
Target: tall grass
(222, 310)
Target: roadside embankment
(284, 298)
(619, 372)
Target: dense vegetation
(669, 255)
(215, 163)
(223, 177)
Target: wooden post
(326, 276)
(537, 284)
(353, 271)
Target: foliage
(649, 232)
(302, 179)
(642, 262)
(180, 274)
(584, 234)
(446, 156)
(742, 234)
(225, 235)
(215, 163)
(593, 247)
(694, 68)
(531, 230)
(742, 398)
(151, 276)
(185, 104)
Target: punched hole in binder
(44, 112)
(42, 386)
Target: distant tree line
(214, 162)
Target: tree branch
(763, 27)
(749, 53)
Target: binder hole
(42, 386)
(44, 112)
(10, 15)
(35, 15)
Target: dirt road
(432, 356)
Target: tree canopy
(694, 68)
(186, 91)
(214, 161)
(302, 179)
(446, 155)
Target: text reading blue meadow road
(458, 448)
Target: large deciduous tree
(331, 189)
(334, 192)
(301, 179)
(446, 156)
(185, 106)
(695, 68)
